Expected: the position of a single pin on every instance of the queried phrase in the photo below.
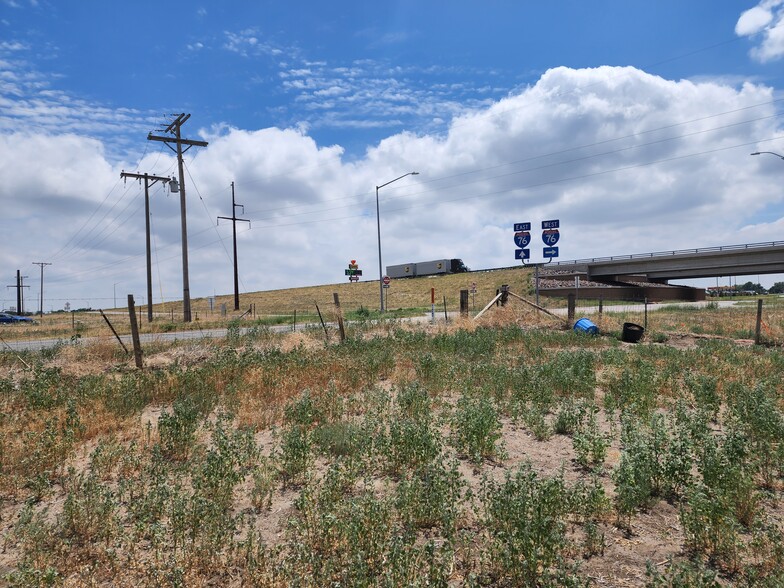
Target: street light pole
(378, 227)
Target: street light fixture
(378, 226)
(771, 152)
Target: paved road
(40, 344)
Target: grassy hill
(408, 293)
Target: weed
(430, 497)
(177, 431)
(590, 444)
(711, 528)
(685, 574)
(476, 429)
(524, 516)
(295, 456)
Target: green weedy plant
(571, 413)
(727, 470)
(430, 497)
(410, 443)
(762, 422)
(413, 401)
(525, 517)
(711, 529)
(685, 574)
(265, 479)
(534, 419)
(635, 390)
(90, 510)
(704, 389)
(233, 333)
(340, 538)
(656, 461)
(594, 542)
(37, 540)
(476, 429)
(295, 456)
(338, 439)
(590, 444)
(589, 501)
(415, 566)
(177, 431)
(303, 410)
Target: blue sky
(632, 121)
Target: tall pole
(378, 228)
(186, 287)
(149, 180)
(380, 272)
(147, 246)
(42, 264)
(174, 128)
(19, 293)
(233, 218)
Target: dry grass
(256, 379)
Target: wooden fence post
(463, 302)
(340, 317)
(137, 345)
(758, 332)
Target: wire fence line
(732, 319)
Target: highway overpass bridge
(647, 275)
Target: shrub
(476, 429)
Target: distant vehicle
(12, 318)
(426, 268)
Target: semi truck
(426, 268)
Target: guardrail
(668, 253)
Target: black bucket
(632, 333)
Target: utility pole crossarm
(126, 174)
(190, 142)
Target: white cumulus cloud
(766, 23)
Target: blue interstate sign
(550, 252)
(522, 238)
(551, 224)
(522, 227)
(551, 236)
(522, 254)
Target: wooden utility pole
(147, 184)
(19, 296)
(42, 264)
(175, 129)
(233, 218)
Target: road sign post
(353, 272)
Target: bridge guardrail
(669, 253)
